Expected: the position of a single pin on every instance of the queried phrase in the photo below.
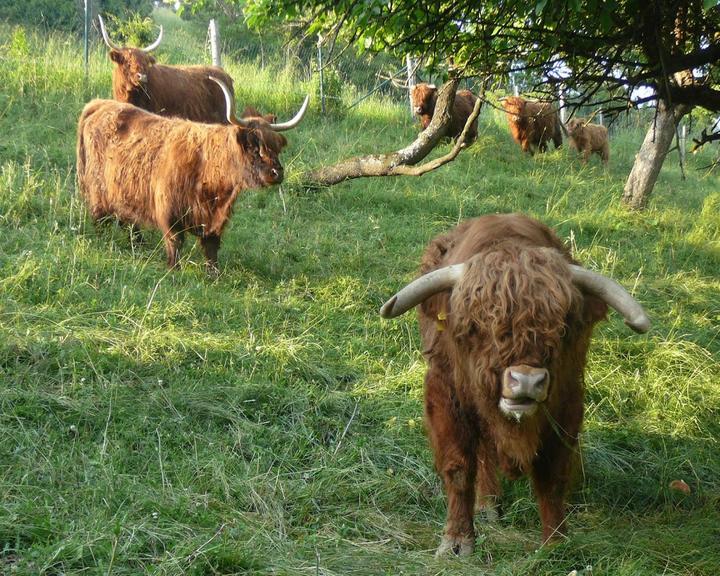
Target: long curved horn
(110, 43)
(614, 295)
(154, 44)
(229, 104)
(296, 119)
(422, 288)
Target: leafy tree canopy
(603, 50)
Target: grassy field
(268, 421)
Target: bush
(48, 13)
(132, 29)
(69, 16)
(332, 87)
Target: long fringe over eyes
(517, 301)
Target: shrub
(133, 29)
(69, 16)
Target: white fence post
(322, 77)
(682, 142)
(214, 42)
(411, 64)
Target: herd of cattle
(506, 313)
(532, 124)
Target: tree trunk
(650, 158)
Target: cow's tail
(80, 150)
(80, 156)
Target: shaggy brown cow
(506, 319)
(424, 97)
(588, 138)
(172, 174)
(532, 124)
(182, 91)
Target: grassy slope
(269, 422)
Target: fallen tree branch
(403, 162)
(421, 169)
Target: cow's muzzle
(523, 388)
(142, 78)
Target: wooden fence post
(322, 78)
(88, 8)
(214, 32)
(411, 64)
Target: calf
(588, 138)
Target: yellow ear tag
(440, 322)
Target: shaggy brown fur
(588, 138)
(174, 175)
(182, 91)
(424, 97)
(532, 124)
(515, 305)
(252, 112)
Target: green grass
(269, 422)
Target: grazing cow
(532, 124)
(588, 138)
(172, 174)
(506, 318)
(182, 91)
(424, 97)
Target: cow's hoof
(455, 546)
(212, 271)
(491, 514)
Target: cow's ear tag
(440, 322)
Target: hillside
(269, 421)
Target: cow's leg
(173, 242)
(453, 447)
(210, 245)
(605, 155)
(136, 236)
(487, 483)
(586, 155)
(551, 477)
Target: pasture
(269, 421)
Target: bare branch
(704, 139)
(403, 162)
(449, 157)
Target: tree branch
(403, 161)
(704, 139)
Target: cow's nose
(523, 381)
(142, 77)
